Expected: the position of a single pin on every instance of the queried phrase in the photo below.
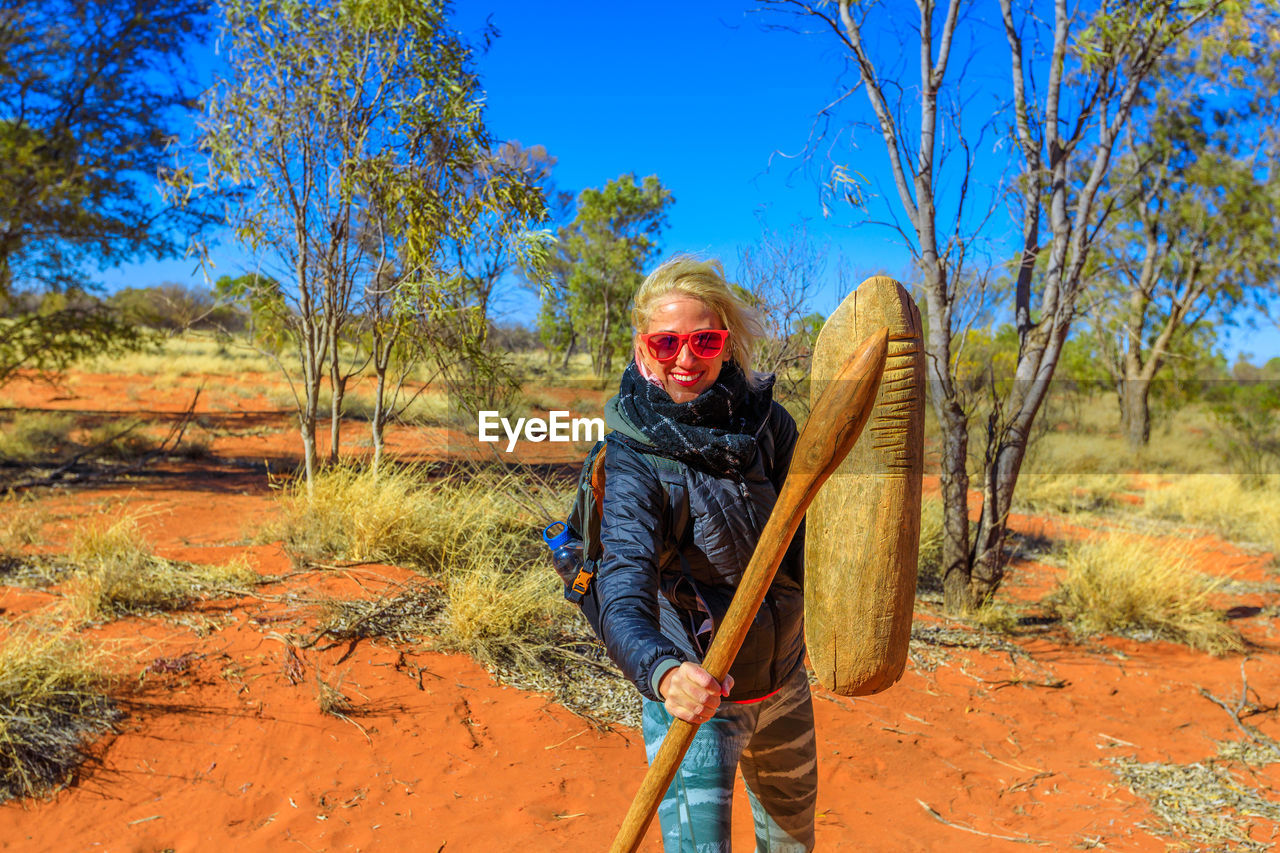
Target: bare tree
(781, 274)
(1074, 80)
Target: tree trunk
(307, 425)
(954, 424)
(987, 567)
(568, 352)
(338, 385)
(955, 514)
(379, 416)
(1137, 412)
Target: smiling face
(687, 375)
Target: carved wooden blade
(862, 533)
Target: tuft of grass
(21, 523)
(194, 448)
(330, 698)
(493, 611)
(1120, 585)
(469, 533)
(1222, 502)
(36, 436)
(995, 617)
(53, 700)
(491, 592)
(403, 515)
(119, 575)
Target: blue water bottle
(566, 556)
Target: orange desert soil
(223, 740)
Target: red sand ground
(437, 756)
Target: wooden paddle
(833, 426)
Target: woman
(676, 544)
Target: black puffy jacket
(660, 598)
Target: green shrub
(36, 436)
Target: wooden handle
(833, 427)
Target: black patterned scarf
(716, 430)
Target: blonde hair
(703, 280)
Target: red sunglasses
(665, 346)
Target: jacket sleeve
(632, 535)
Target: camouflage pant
(773, 741)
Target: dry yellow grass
(490, 609)
(500, 600)
(929, 562)
(118, 574)
(1124, 585)
(53, 699)
(125, 440)
(22, 521)
(1068, 493)
(189, 354)
(1222, 503)
(402, 515)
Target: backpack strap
(587, 513)
(597, 482)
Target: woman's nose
(686, 358)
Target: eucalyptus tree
(1073, 74)
(598, 265)
(344, 132)
(445, 226)
(90, 90)
(1192, 241)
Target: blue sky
(700, 94)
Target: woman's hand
(690, 693)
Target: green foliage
(598, 266)
(1248, 419)
(88, 96)
(35, 437)
(1079, 367)
(60, 332)
(1191, 242)
(984, 361)
(262, 298)
(173, 307)
(350, 136)
(89, 93)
